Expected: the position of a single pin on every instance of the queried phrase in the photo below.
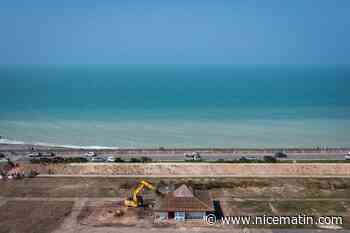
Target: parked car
(280, 155)
(248, 158)
(347, 156)
(35, 154)
(98, 159)
(90, 154)
(110, 159)
(194, 156)
(3, 160)
(58, 160)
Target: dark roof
(181, 200)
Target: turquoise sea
(175, 105)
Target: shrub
(118, 160)
(145, 159)
(135, 160)
(269, 159)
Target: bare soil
(280, 188)
(33, 216)
(194, 169)
(113, 214)
(238, 196)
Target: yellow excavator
(136, 200)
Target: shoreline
(26, 148)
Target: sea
(175, 106)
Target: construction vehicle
(136, 200)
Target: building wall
(195, 215)
(180, 216)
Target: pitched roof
(184, 199)
(183, 191)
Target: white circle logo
(210, 219)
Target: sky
(175, 32)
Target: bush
(75, 160)
(221, 161)
(119, 160)
(269, 159)
(135, 160)
(59, 160)
(145, 159)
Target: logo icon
(210, 219)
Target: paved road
(213, 157)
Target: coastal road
(208, 157)
(213, 157)
(20, 152)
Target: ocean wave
(15, 142)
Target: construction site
(167, 197)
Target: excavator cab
(136, 200)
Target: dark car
(98, 159)
(58, 160)
(280, 155)
(248, 158)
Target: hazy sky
(188, 31)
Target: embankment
(194, 170)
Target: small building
(184, 204)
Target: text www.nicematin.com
(300, 219)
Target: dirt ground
(280, 188)
(114, 213)
(194, 169)
(33, 216)
(48, 202)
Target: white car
(3, 160)
(34, 154)
(110, 159)
(347, 156)
(90, 154)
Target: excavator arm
(135, 201)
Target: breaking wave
(15, 142)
